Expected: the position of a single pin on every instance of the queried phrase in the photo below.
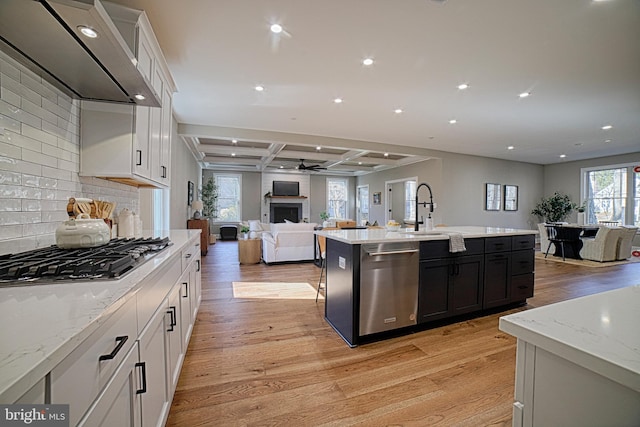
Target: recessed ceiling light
(138, 96)
(463, 86)
(234, 141)
(259, 88)
(511, 147)
(233, 154)
(359, 163)
(87, 31)
(607, 141)
(318, 148)
(367, 61)
(606, 127)
(276, 28)
(453, 121)
(524, 94)
(338, 100)
(562, 156)
(398, 111)
(281, 167)
(386, 154)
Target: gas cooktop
(55, 265)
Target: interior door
(362, 204)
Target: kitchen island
(578, 361)
(111, 349)
(381, 282)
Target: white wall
(184, 168)
(39, 160)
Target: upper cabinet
(131, 144)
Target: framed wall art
(493, 197)
(377, 198)
(510, 197)
(190, 191)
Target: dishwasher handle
(407, 251)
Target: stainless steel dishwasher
(388, 286)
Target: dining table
(572, 234)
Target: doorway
(362, 204)
(400, 200)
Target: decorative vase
(253, 235)
(580, 218)
(245, 236)
(325, 224)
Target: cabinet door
(174, 339)
(155, 139)
(185, 308)
(467, 284)
(142, 139)
(155, 404)
(497, 279)
(119, 402)
(165, 136)
(196, 287)
(434, 293)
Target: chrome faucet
(424, 204)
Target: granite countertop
(378, 235)
(598, 332)
(42, 324)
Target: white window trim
(239, 177)
(346, 185)
(630, 177)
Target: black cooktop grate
(53, 264)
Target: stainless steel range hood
(45, 36)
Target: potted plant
(555, 208)
(245, 232)
(324, 216)
(209, 196)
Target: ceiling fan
(303, 167)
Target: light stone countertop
(373, 235)
(598, 332)
(42, 324)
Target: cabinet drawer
(154, 290)
(80, 377)
(522, 287)
(188, 254)
(522, 261)
(523, 242)
(436, 249)
(497, 244)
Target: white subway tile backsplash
(10, 178)
(43, 159)
(9, 150)
(31, 205)
(9, 205)
(39, 134)
(40, 159)
(10, 97)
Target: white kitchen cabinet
(175, 352)
(81, 376)
(119, 403)
(155, 401)
(127, 143)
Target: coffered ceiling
(578, 60)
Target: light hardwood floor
(275, 362)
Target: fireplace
(278, 212)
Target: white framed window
(611, 193)
(410, 200)
(337, 197)
(229, 197)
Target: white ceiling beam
(232, 160)
(240, 151)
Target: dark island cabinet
(450, 284)
(508, 273)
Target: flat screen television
(286, 188)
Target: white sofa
(288, 242)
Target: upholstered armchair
(603, 247)
(623, 250)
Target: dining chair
(556, 236)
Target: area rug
(274, 290)
(587, 263)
